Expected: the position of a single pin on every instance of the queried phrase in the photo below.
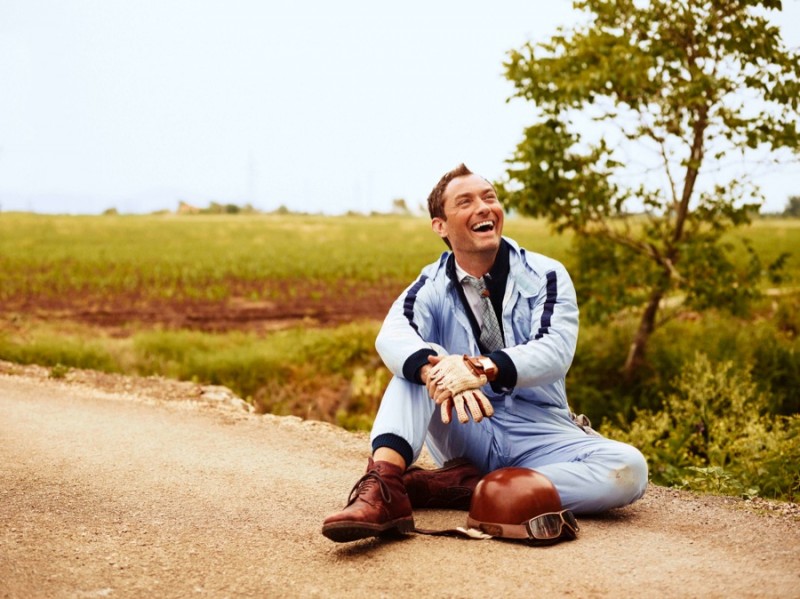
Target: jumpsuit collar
(495, 279)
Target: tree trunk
(646, 326)
(648, 322)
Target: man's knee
(629, 477)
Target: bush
(59, 353)
(768, 347)
(324, 374)
(714, 434)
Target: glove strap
(481, 365)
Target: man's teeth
(486, 225)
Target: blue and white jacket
(539, 321)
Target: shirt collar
(497, 274)
(461, 274)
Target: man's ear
(439, 226)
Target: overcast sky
(316, 105)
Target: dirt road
(128, 494)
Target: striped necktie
(491, 337)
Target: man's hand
(473, 399)
(453, 374)
(478, 404)
(437, 394)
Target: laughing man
(489, 331)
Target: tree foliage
(641, 111)
(792, 207)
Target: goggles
(544, 529)
(551, 526)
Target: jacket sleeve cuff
(416, 361)
(506, 371)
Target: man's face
(473, 220)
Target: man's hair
(436, 198)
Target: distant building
(184, 208)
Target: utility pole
(252, 183)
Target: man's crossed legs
(591, 473)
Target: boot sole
(344, 532)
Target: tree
(792, 207)
(643, 109)
(399, 206)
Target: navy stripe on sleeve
(410, 299)
(549, 305)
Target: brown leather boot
(449, 487)
(377, 504)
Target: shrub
(714, 434)
(325, 374)
(767, 346)
(59, 353)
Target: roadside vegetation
(716, 407)
(638, 112)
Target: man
(489, 328)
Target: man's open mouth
(483, 227)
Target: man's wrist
(414, 363)
(506, 371)
(423, 373)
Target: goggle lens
(553, 525)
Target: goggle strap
(459, 531)
(508, 531)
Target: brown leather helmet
(519, 503)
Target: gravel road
(142, 488)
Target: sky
(313, 105)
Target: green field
(166, 256)
(169, 256)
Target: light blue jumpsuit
(531, 426)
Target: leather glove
(474, 399)
(456, 374)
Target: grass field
(211, 257)
(167, 256)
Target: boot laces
(366, 482)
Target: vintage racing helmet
(519, 503)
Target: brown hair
(436, 198)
